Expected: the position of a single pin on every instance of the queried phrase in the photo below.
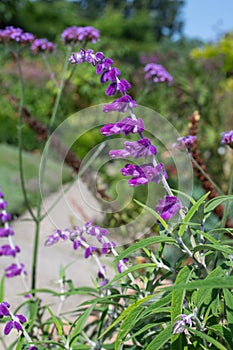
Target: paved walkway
(75, 207)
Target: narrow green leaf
(153, 212)
(178, 295)
(221, 282)
(2, 288)
(126, 326)
(191, 212)
(217, 247)
(56, 321)
(161, 339)
(178, 299)
(127, 311)
(204, 295)
(129, 270)
(229, 307)
(185, 195)
(224, 332)
(144, 243)
(208, 338)
(207, 236)
(213, 203)
(79, 324)
(19, 344)
(156, 305)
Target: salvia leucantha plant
(153, 300)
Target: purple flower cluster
(126, 126)
(185, 142)
(121, 265)
(145, 173)
(180, 325)
(157, 73)
(168, 207)
(78, 237)
(227, 138)
(42, 45)
(15, 321)
(104, 69)
(121, 104)
(137, 149)
(12, 34)
(6, 231)
(142, 175)
(80, 34)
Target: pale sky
(208, 19)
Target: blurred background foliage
(133, 33)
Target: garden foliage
(171, 289)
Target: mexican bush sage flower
(126, 126)
(143, 174)
(8, 250)
(4, 309)
(15, 270)
(15, 323)
(121, 104)
(185, 142)
(168, 207)
(157, 73)
(104, 68)
(227, 138)
(137, 149)
(179, 326)
(6, 231)
(121, 265)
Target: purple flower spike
(120, 265)
(15, 270)
(6, 231)
(157, 73)
(8, 327)
(7, 250)
(227, 138)
(144, 174)
(121, 104)
(168, 207)
(89, 251)
(15, 323)
(4, 216)
(33, 348)
(140, 148)
(126, 125)
(121, 85)
(107, 246)
(4, 306)
(102, 272)
(3, 204)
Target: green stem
(20, 141)
(227, 207)
(58, 97)
(42, 172)
(207, 177)
(51, 73)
